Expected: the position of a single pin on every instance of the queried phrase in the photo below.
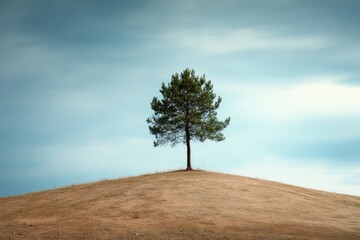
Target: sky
(77, 79)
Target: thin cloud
(214, 40)
(319, 96)
(310, 175)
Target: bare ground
(181, 205)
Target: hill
(181, 205)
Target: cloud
(317, 96)
(91, 159)
(301, 173)
(316, 119)
(216, 40)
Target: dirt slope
(181, 205)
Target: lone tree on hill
(186, 112)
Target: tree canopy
(187, 111)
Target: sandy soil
(181, 205)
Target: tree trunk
(188, 168)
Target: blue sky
(77, 78)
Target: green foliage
(187, 111)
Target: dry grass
(181, 205)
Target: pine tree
(186, 112)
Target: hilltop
(181, 205)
